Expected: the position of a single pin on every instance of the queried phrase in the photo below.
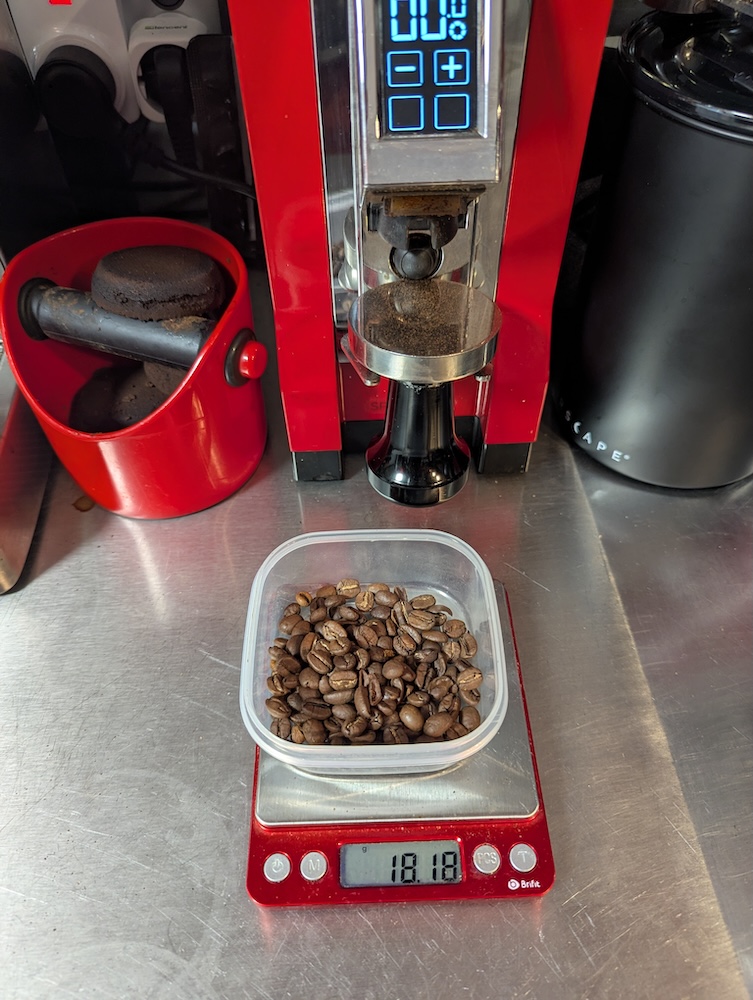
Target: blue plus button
(405, 69)
(452, 67)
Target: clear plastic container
(420, 561)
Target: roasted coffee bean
(275, 685)
(344, 713)
(347, 614)
(393, 668)
(470, 678)
(423, 601)
(451, 649)
(411, 718)
(338, 697)
(355, 727)
(422, 620)
(301, 628)
(361, 701)
(308, 694)
(455, 731)
(333, 630)
(470, 718)
(307, 644)
(314, 731)
(368, 737)
(309, 678)
(468, 646)
(303, 599)
(287, 665)
(454, 628)
(277, 707)
(288, 623)
(437, 725)
(440, 688)
(470, 696)
(320, 660)
(364, 600)
(316, 710)
(386, 598)
(395, 734)
(348, 588)
(363, 659)
(293, 645)
(366, 636)
(343, 680)
(404, 645)
(326, 591)
(376, 720)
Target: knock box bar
(71, 316)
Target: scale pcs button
(313, 866)
(276, 867)
(523, 858)
(487, 859)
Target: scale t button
(523, 858)
(487, 859)
(276, 868)
(313, 866)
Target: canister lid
(696, 68)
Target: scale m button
(313, 866)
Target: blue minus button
(405, 69)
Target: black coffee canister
(654, 377)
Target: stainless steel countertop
(124, 804)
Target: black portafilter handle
(65, 314)
(418, 460)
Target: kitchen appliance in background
(139, 99)
(447, 201)
(653, 359)
(34, 198)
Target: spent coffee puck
(157, 283)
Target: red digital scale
(476, 830)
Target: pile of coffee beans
(367, 664)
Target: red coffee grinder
(415, 163)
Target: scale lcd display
(414, 862)
(428, 77)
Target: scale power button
(276, 867)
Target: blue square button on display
(405, 69)
(405, 114)
(452, 111)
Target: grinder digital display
(427, 67)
